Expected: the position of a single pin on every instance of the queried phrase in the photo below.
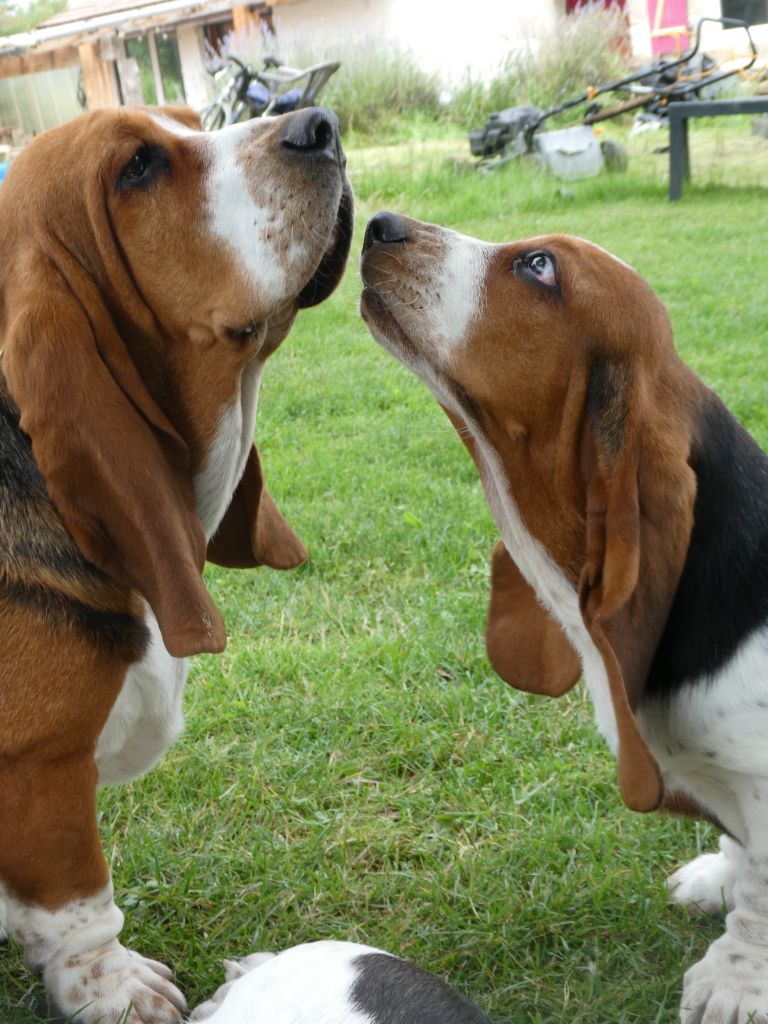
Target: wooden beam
(156, 72)
(30, 63)
(99, 79)
(244, 19)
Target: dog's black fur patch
(607, 402)
(722, 597)
(393, 991)
(35, 545)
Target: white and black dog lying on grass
(333, 983)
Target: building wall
(448, 35)
(718, 40)
(715, 40)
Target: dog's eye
(537, 265)
(136, 166)
(143, 168)
(541, 264)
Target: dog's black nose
(312, 132)
(385, 227)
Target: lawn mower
(575, 151)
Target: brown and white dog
(633, 511)
(147, 271)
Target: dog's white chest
(227, 455)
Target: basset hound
(147, 272)
(633, 512)
(333, 983)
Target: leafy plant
(14, 18)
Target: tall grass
(380, 83)
(546, 69)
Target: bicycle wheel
(213, 117)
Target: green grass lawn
(352, 767)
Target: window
(168, 65)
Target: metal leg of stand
(679, 156)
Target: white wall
(448, 35)
(717, 40)
(714, 39)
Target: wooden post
(157, 74)
(99, 79)
(29, 63)
(244, 20)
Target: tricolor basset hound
(633, 511)
(147, 271)
(333, 983)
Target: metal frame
(679, 114)
(651, 94)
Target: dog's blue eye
(539, 264)
(542, 266)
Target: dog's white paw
(113, 985)
(729, 986)
(705, 885)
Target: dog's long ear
(640, 496)
(115, 468)
(525, 645)
(253, 532)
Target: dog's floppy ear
(114, 466)
(253, 532)
(638, 520)
(525, 645)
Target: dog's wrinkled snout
(384, 227)
(311, 133)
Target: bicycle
(246, 93)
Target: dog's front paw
(113, 985)
(729, 986)
(705, 885)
